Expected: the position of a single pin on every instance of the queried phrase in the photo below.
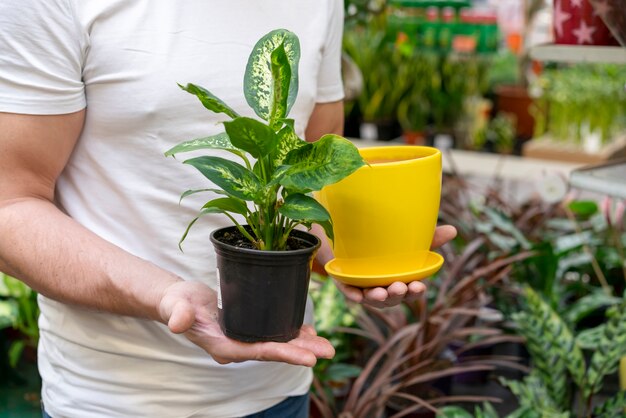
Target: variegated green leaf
(194, 191)
(531, 393)
(453, 412)
(560, 336)
(233, 178)
(609, 351)
(588, 304)
(320, 163)
(281, 76)
(614, 407)
(219, 141)
(307, 210)
(252, 136)
(287, 141)
(259, 84)
(228, 204)
(209, 100)
(590, 338)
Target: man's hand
(397, 292)
(190, 308)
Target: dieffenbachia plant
(279, 170)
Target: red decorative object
(577, 23)
(613, 13)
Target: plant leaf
(320, 163)
(252, 136)
(610, 349)
(588, 304)
(583, 208)
(453, 412)
(287, 141)
(233, 178)
(258, 80)
(219, 141)
(613, 407)
(281, 77)
(209, 100)
(306, 210)
(194, 191)
(203, 212)
(228, 204)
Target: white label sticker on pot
(219, 290)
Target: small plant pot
(262, 294)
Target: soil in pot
(262, 294)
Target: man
(89, 213)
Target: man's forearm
(64, 261)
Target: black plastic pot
(262, 294)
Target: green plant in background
(581, 100)
(499, 134)
(558, 361)
(287, 168)
(333, 315)
(19, 311)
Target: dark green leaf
(252, 136)
(583, 208)
(307, 210)
(258, 81)
(209, 100)
(15, 352)
(341, 371)
(233, 178)
(590, 338)
(228, 204)
(320, 163)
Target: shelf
(579, 53)
(605, 179)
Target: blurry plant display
(580, 101)
(18, 310)
(333, 315)
(558, 358)
(498, 135)
(408, 352)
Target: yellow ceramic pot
(385, 215)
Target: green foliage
(18, 310)
(580, 100)
(557, 357)
(612, 408)
(271, 195)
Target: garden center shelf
(579, 53)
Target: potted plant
(264, 263)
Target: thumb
(182, 317)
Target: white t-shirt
(122, 59)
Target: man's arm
(328, 118)
(62, 260)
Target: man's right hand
(190, 308)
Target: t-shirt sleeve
(41, 55)
(329, 83)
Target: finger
(319, 346)
(397, 292)
(182, 317)
(270, 351)
(308, 329)
(416, 289)
(443, 234)
(375, 294)
(352, 293)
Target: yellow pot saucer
(373, 272)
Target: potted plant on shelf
(266, 255)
